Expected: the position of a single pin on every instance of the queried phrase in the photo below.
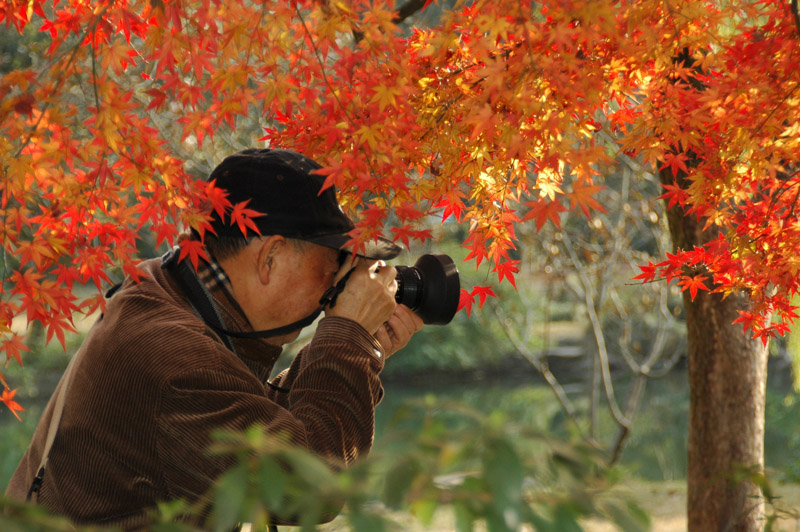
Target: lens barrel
(431, 288)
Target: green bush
(436, 454)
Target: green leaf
(398, 481)
(272, 483)
(424, 509)
(504, 473)
(310, 469)
(230, 493)
(540, 523)
(629, 518)
(566, 519)
(465, 519)
(367, 522)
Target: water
(656, 447)
(655, 450)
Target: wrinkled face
(315, 271)
(305, 273)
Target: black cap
(282, 186)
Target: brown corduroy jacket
(152, 382)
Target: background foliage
(499, 121)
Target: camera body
(431, 288)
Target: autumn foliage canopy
(498, 114)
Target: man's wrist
(340, 330)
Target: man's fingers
(398, 329)
(401, 329)
(385, 340)
(409, 318)
(368, 296)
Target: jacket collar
(258, 354)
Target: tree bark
(727, 382)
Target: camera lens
(409, 287)
(431, 288)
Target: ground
(665, 502)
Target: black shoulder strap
(198, 296)
(201, 300)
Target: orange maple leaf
(13, 346)
(582, 196)
(56, 325)
(8, 398)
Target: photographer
(180, 353)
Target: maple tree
(497, 115)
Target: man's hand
(368, 296)
(398, 330)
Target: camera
(431, 288)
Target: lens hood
(431, 288)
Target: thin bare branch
(597, 328)
(539, 363)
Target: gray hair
(225, 247)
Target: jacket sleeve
(334, 388)
(342, 362)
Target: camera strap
(55, 421)
(202, 302)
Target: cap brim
(381, 249)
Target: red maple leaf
(747, 319)
(506, 270)
(482, 292)
(693, 284)
(465, 301)
(543, 210)
(648, 272)
(159, 99)
(675, 194)
(218, 197)
(676, 162)
(194, 250)
(56, 326)
(243, 217)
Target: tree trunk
(727, 382)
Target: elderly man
(181, 353)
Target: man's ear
(267, 254)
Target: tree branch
(412, 6)
(406, 10)
(602, 352)
(539, 363)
